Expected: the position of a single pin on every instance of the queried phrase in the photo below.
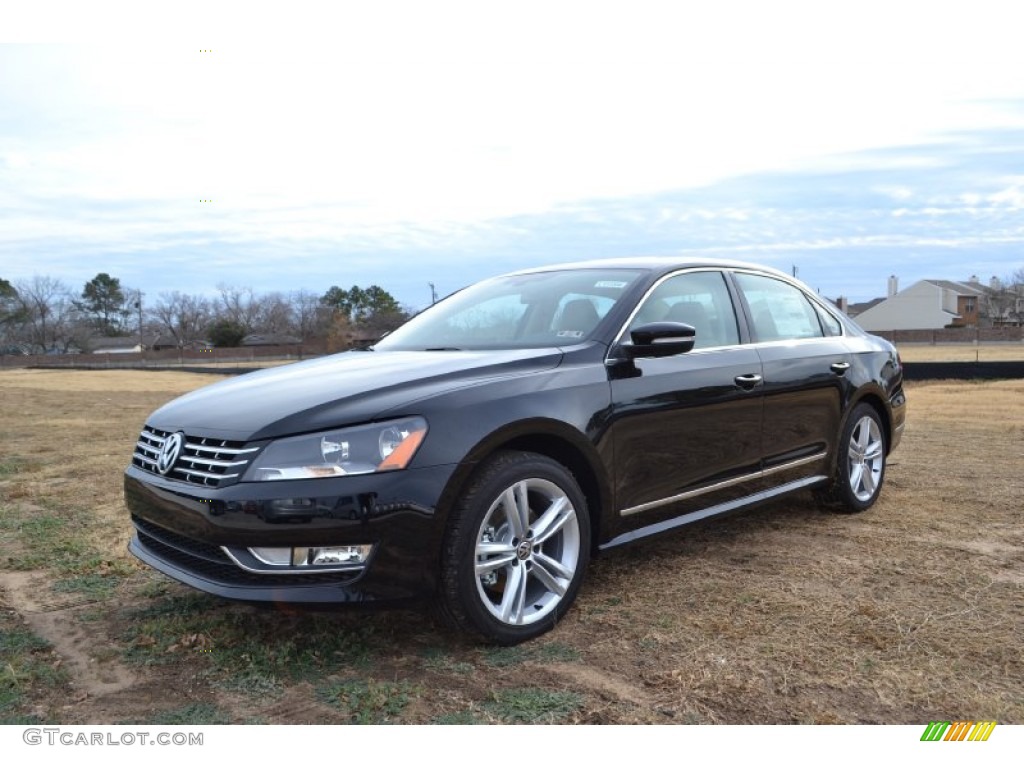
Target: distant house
(853, 310)
(115, 345)
(166, 341)
(269, 340)
(926, 305)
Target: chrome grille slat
(146, 459)
(213, 462)
(204, 461)
(215, 449)
(199, 473)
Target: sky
(183, 146)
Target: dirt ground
(910, 612)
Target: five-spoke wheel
(860, 465)
(518, 545)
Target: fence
(164, 358)
(954, 336)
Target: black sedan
(483, 452)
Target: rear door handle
(839, 368)
(748, 380)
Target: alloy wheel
(866, 458)
(527, 551)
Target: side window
(779, 310)
(832, 326)
(700, 299)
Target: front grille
(203, 460)
(210, 562)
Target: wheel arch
(876, 401)
(559, 442)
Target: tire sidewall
(459, 571)
(843, 487)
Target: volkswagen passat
(483, 452)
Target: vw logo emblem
(525, 549)
(169, 452)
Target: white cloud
(418, 125)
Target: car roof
(652, 264)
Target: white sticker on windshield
(610, 284)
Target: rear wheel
(517, 546)
(860, 466)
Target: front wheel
(517, 546)
(860, 465)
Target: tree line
(44, 315)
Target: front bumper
(180, 530)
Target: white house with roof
(926, 305)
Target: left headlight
(381, 447)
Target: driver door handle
(749, 380)
(839, 368)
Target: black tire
(536, 573)
(860, 463)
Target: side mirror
(662, 339)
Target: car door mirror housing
(661, 339)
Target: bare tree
(11, 312)
(1014, 283)
(310, 319)
(274, 315)
(49, 320)
(239, 305)
(182, 315)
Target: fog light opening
(348, 554)
(341, 557)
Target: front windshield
(530, 311)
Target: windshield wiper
(442, 349)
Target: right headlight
(362, 450)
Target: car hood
(329, 392)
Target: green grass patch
(367, 702)
(94, 585)
(155, 585)
(439, 660)
(17, 465)
(40, 536)
(506, 657)
(245, 649)
(27, 672)
(43, 539)
(462, 717)
(190, 714)
(533, 705)
(254, 684)
(556, 652)
(11, 465)
(510, 657)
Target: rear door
(804, 368)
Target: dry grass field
(960, 353)
(913, 611)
